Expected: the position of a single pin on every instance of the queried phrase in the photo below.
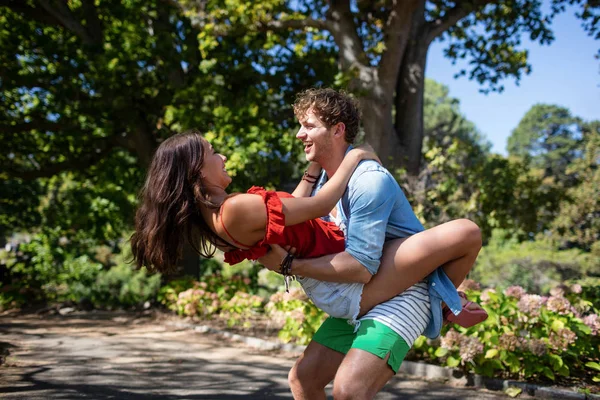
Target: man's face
(316, 137)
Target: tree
(551, 138)
(382, 48)
(577, 224)
(461, 179)
(88, 90)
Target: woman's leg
(453, 245)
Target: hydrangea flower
(537, 347)
(593, 321)
(469, 284)
(514, 291)
(530, 304)
(470, 348)
(558, 304)
(561, 339)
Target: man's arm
(339, 267)
(370, 207)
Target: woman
(185, 199)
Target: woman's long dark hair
(169, 213)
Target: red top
(312, 238)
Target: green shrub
(526, 336)
(124, 286)
(297, 315)
(535, 265)
(241, 308)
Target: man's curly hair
(331, 107)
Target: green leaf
(593, 365)
(441, 352)
(452, 362)
(513, 391)
(491, 353)
(548, 373)
(421, 340)
(557, 324)
(556, 362)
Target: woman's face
(213, 169)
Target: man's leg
(314, 369)
(361, 376)
(375, 356)
(317, 366)
(453, 245)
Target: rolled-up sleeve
(371, 201)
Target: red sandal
(467, 317)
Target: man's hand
(272, 260)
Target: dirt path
(117, 355)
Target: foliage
(301, 317)
(550, 137)
(240, 309)
(215, 295)
(535, 265)
(526, 336)
(578, 221)
(460, 178)
(123, 286)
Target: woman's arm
(304, 188)
(302, 209)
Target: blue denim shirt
(374, 209)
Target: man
(361, 358)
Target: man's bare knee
(350, 390)
(305, 381)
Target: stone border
(420, 369)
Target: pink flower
(190, 309)
(485, 295)
(561, 339)
(558, 304)
(508, 341)
(469, 284)
(593, 321)
(537, 347)
(450, 339)
(557, 291)
(514, 291)
(530, 304)
(576, 288)
(470, 347)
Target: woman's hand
(273, 259)
(364, 152)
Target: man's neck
(333, 161)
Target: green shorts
(372, 336)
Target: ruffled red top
(312, 238)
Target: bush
(526, 336)
(298, 317)
(534, 265)
(123, 286)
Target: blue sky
(564, 73)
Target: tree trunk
(409, 98)
(379, 130)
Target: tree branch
(461, 10)
(342, 27)
(98, 150)
(295, 24)
(397, 31)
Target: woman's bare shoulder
(245, 212)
